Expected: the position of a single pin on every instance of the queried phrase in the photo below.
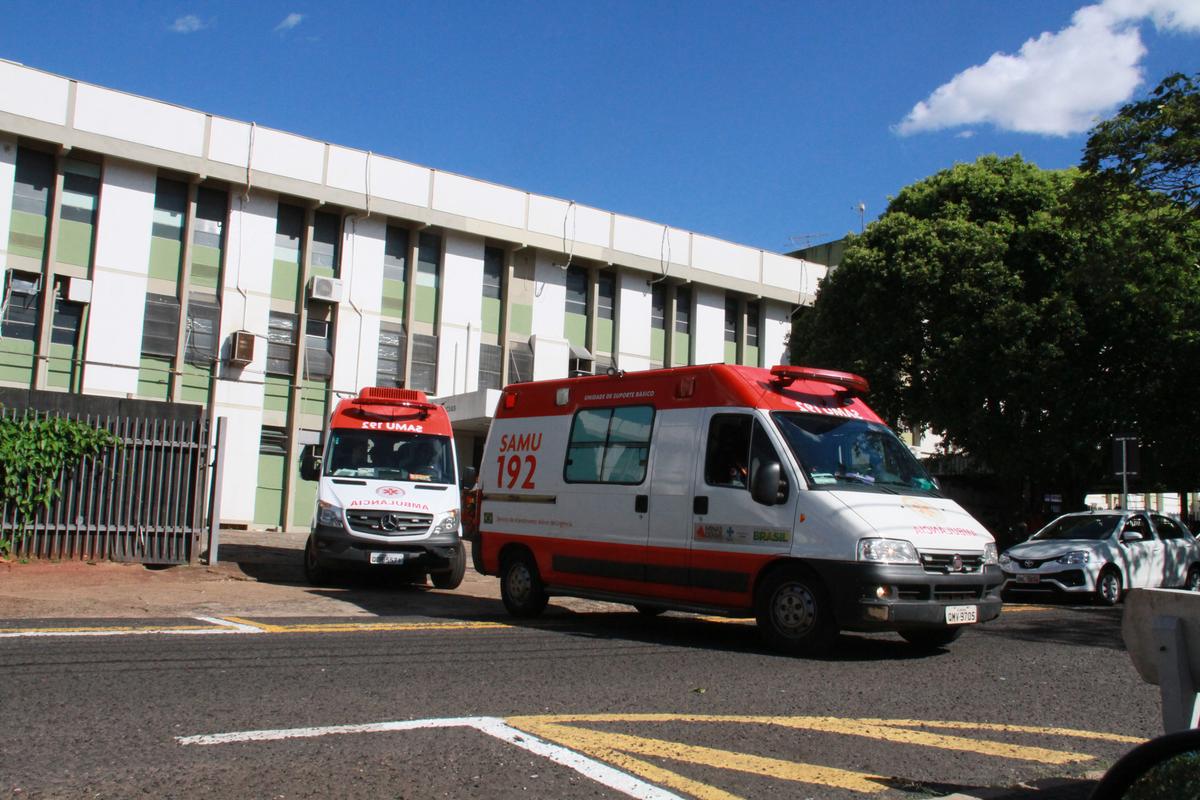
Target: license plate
(387, 558)
(961, 615)
(1029, 579)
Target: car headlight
(887, 551)
(989, 554)
(1005, 560)
(1075, 557)
(329, 514)
(448, 523)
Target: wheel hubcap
(794, 609)
(519, 582)
(1109, 587)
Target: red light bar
(847, 381)
(388, 395)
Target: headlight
(448, 523)
(1005, 559)
(989, 554)
(329, 514)
(1075, 557)
(887, 551)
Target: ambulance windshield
(841, 453)
(389, 455)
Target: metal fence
(142, 500)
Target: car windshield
(1089, 527)
(842, 453)
(388, 455)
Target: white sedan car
(1102, 554)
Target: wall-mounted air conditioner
(327, 290)
(78, 290)
(241, 348)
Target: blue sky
(758, 122)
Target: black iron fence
(141, 500)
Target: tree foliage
(1153, 144)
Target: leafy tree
(1153, 144)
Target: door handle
(641, 503)
(700, 504)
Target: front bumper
(1067, 581)
(914, 598)
(430, 553)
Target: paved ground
(257, 573)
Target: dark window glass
(326, 228)
(752, 324)
(520, 362)
(395, 254)
(493, 271)
(273, 441)
(318, 347)
(424, 363)
(67, 316)
(491, 359)
(390, 364)
(577, 284)
(605, 291)
(34, 177)
(658, 307)
(203, 329)
(683, 310)
(281, 343)
(609, 445)
(170, 209)
(731, 315)
(160, 331)
(19, 320)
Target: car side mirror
(310, 462)
(1131, 536)
(764, 483)
(467, 480)
(1163, 767)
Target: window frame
(608, 444)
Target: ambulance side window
(609, 445)
(727, 457)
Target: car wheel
(521, 586)
(931, 638)
(793, 612)
(477, 554)
(315, 572)
(1108, 586)
(451, 578)
(648, 611)
(1192, 584)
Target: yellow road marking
(601, 744)
(346, 627)
(1006, 728)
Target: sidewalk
(258, 573)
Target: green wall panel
(164, 259)
(658, 345)
(284, 277)
(74, 243)
(276, 392)
(393, 299)
(304, 499)
(575, 328)
(27, 235)
(426, 310)
(312, 398)
(520, 321)
(154, 378)
(680, 355)
(604, 335)
(16, 361)
(750, 356)
(491, 315)
(206, 266)
(62, 371)
(194, 386)
(268, 494)
(731, 353)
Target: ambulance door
(678, 439)
(734, 535)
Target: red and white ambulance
(740, 491)
(388, 489)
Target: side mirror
(1162, 767)
(310, 462)
(1131, 536)
(467, 479)
(764, 483)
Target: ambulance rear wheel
(794, 613)
(451, 578)
(521, 586)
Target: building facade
(158, 252)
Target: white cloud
(188, 24)
(289, 22)
(1058, 83)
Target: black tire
(794, 613)
(648, 611)
(1192, 582)
(521, 586)
(477, 555)
(451, 578)
(315, 572)
(931, 638)
(1108, 587)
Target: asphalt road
(575, 704)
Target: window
(395, 254)
(289, 231)
(752, 324)
(737, 446)
(390, 364)
(577, 288)
(683, 310)
(323, 258)
(429, 257)
(493, 270)
(520, 362)
(609, 445)
(203, 327)
(281, 343)
(170, 209)
(160, 332)
(273, 441)
(605, 289)
(67, 316)
(1168, 528)
(19, 320)
(658, 307)
(491, 359)
(318, 346)
(424, 363)
(731, 315)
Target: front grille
(957, 594)
(951, 563)
(388, 523)
(1032, 563)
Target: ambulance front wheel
(521, 586)
(315, 572)
(452, 577)
(794, 613)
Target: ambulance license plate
(387, 558)
(961, 615)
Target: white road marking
(222, 627)
(492, 726)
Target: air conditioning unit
(327, 290)
(78, 290)
(241, 348)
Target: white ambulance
(388, 491)
(729, 490)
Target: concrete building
(159, 252)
